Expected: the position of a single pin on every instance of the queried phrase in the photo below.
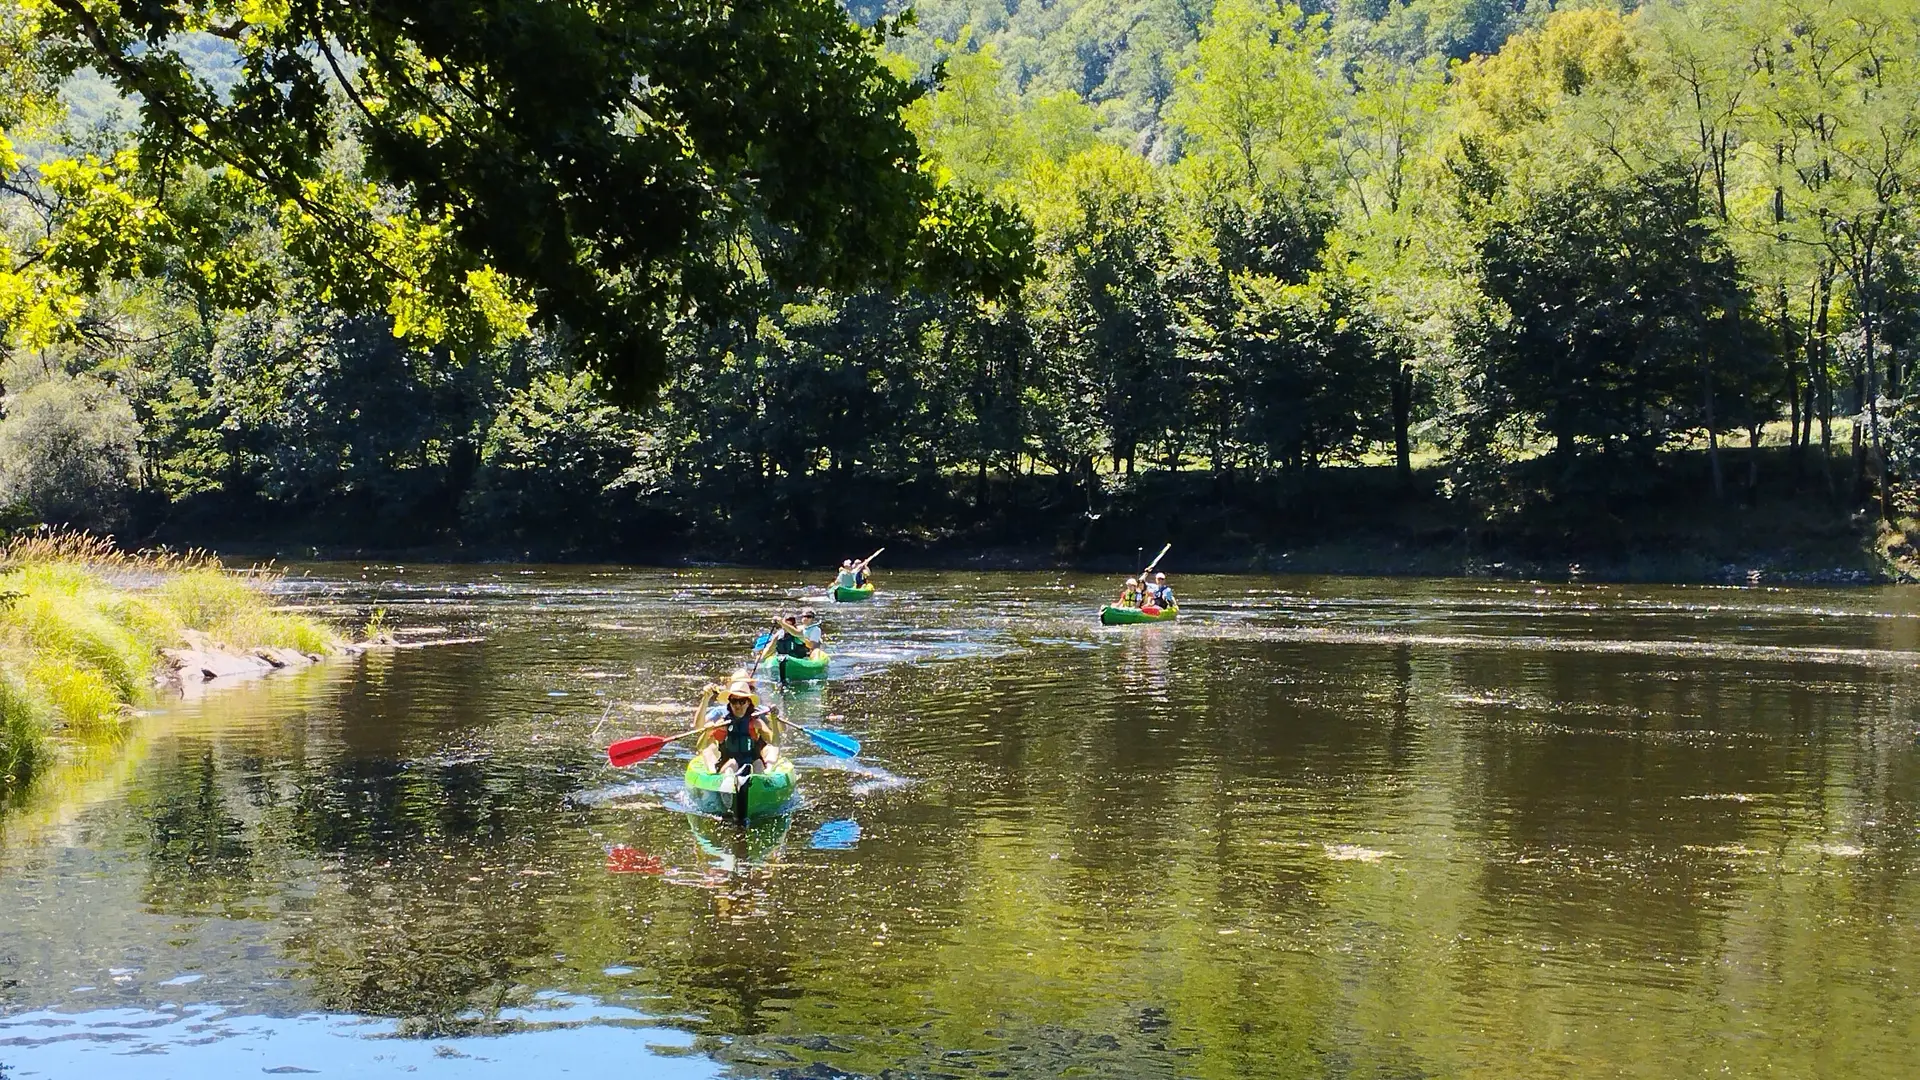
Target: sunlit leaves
(1255, 103)
(609, 160)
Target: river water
(1320, 827)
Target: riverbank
(1780, 518)
(88, 631)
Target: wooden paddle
(1155, 562)
(641, 747)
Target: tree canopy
(617, 167)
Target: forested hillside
(1447, 273)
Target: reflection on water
(1318, 827)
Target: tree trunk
(1785, 324)
(1713, 442)
(1402, 422)
(1873, 394)
(1819, 358)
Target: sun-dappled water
(1318, 827)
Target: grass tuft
(82, 625)
(22, 729)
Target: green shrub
(68, 453)
(76, 648)
(234, 612)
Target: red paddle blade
(635, 750)
(622, 859)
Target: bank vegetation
(83, 626)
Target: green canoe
(795, 668)
(1115, 615)
(859, 592)
(766, 793)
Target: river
(1319, 827)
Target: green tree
(1617, 299)
(68, 454)
(1254, 103)
(609, 160)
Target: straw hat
(741, 685)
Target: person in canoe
(809, 639)
(1130, 595)
(848, 578)
(1160, 594)
(746, 737)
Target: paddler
(809, 639)
(1160, 592)
(746, 735)
(1130, 596)
(849, 578)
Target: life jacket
(745, 737)
(861, 577)
(787, 645)
(1130, 597)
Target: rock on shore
(205, 664)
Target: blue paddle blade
(761, 642)
(833, 742)
(838, 835)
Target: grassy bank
(81, 629)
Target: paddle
(1149, 570)
(833, 742)
(1156, 561)
(856, 568)
(641, 747)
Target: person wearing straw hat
(745, 729)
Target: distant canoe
(1117, 615)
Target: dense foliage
(1242, 238)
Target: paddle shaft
(1149, 569)
(1155, 562)
(641, 747)
(832, 742)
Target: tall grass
(82, 625)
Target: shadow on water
(1318, 827)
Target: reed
(82, 624)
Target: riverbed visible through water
(1318, 827)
